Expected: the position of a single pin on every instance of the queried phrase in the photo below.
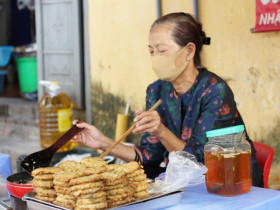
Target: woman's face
(162, 43)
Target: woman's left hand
(148, 121)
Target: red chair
(264, 155)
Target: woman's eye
(162, 51)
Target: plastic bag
(183, 170)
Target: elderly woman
(195, 100)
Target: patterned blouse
(209, 104)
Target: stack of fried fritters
(117, 189)
(43, 183)
(137, 180)
(92, 184)
(79, 186)
(89, 189)
(70, 170)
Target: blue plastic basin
(5, 55)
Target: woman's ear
(191, 48)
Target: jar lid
(225, 131)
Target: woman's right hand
(90, 136)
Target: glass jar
(227, 156)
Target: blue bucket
(5, 55)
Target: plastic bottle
(55, 113)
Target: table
(197, 197)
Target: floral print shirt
(209, 104)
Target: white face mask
(164, 66)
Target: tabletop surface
(197, 197)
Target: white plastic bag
(182, 170)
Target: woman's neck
(186, 80)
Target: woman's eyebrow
(156, 45)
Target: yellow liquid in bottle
(55, 113)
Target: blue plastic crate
(5, 55)
(2, 80)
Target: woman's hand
(90, 136)
(148, 121)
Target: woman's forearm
(127, 153)
(124, 152)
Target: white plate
(157, 201)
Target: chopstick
(128, 131)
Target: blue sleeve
(151, 149)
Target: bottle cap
(225, 131)
(51, 85)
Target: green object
(225, 131)
(27, 74)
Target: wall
(119, 59)
(251, 65)
(249, 62)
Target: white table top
(197, 197)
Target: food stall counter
(197, 197)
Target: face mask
(164, 66)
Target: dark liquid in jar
(228, 174)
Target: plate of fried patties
(91, 183)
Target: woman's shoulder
(211, 87)
(211, 80)
(158, 86)
(210, 76)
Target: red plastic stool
(264, 155)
